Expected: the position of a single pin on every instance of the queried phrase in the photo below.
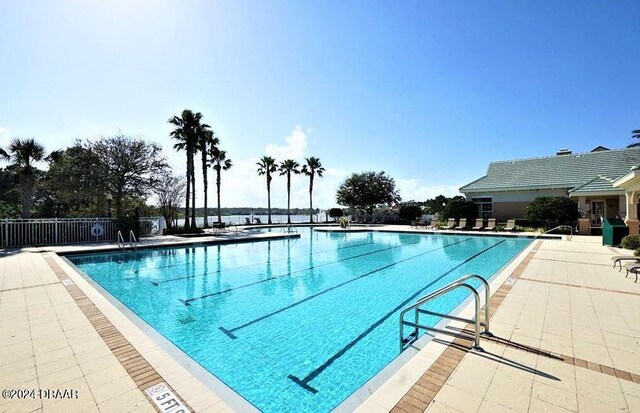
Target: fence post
(6, 233)
(56, 229)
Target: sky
(428, 91)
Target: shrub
(335, 212)
(410, 212)
(552, 211)
(631, 242)
(637, 252)
(460, 208)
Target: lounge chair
(491, 225)
(632, 267)
(257, 220)
(478, 226)
(434, 224)
(451, 224)
(617, 259)
(462, 224)
(511, 225)
(247, 221)
(219, 227)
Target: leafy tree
(131, 167)
(74, 182)
(366, 190)
(207, 142)
(552, 211)
(218, 160)
(312, 168)
(288, 167)
(23, 154)
(436, 205)
(459, 207)
(635, 134)
(188, 128)
(410, 211)
(336, 212)
(170, 191)
(267, 166)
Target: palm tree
(218, 160)
(4, 156)
(24, 153)
(635, 134)
(312, 168)
(206, 142)
(267, 166)
(287, 167)
(188, 126)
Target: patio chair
(257, 220)
(478, 226)
(219, 227)
(511, 225)
(434, 224)
(617, 259)
(247, 221)
(463, 224)
(451, 224)
(491, 225)
(632, 267)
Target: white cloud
(294, 149)
(414, 189)
(4, 133)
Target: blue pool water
(294, 325)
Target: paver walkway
(569, 341)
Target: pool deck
(567, 330)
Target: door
(597, 213)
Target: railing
(63, 231)
(558, 227)
(55, 231)
(121, 244)
(416, 307)
(133, 242)
(291, 228)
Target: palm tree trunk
(204, 183)
(26, 189)
(218, 186)
(269, 198)
(188, 193)
(288, 197)
(311, 199)
(193, 192)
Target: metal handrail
(132, 240)
(291, 228)
(120, 240)
(558, 227)
(452, 286)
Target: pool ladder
(559, 227)
(133, 241)
(405, 342)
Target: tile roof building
(509, 186)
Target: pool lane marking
(189, 300)
(304, 382)
(157, 283)
(229, 331)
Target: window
(485, 207)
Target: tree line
(83, 179)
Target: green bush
(410, 211)
(460, 208)
(552, 211)
(335, 212)
(631, 242)
(637, 252)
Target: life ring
(97, 230)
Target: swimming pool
(294, 325)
